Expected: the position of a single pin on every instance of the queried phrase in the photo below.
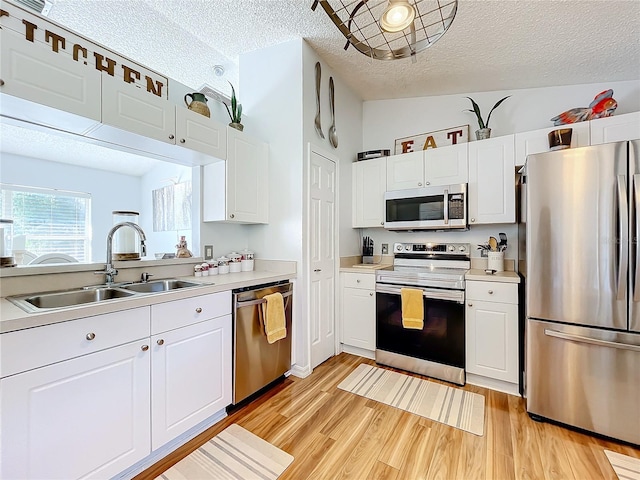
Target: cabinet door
(86, 417)
(369, 185)
(492, 189)
(446, 165)
(537, 141)
(359, 318)
(492, 340)
(134, 110)
(33, 72)
(247, 178)
(405, 171)
(190, 377)
(197, 132)
(617, 128)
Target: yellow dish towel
(273, 317)
(412, 308)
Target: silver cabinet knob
(490, 292)
(198, 310)
(382, 223)
(371, 294)
(470, 304)
(473, 219)
(357, 281)
(232, 216)
(319, 270)
(145, 348)
(160, 342)
(182, 140)
(90, 336)
(1, 82)
(428, 183)
(419, 184)
(171, 137)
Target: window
(48, 220)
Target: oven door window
(441, 339)
(415, 208)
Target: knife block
(367, 259)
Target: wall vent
(41, 6)
(214, 94)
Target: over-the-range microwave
(432, 208)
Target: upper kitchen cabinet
(237, 190)
(492, 181)
(42, 87)
(432, 167)
(133, 117)
(617, 128)
(369, 184)
(537, 141)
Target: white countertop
(14, 318)
(365, 267)
(505, 277)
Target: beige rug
(452, 406)
(626, 467)
(235, 454)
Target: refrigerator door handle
(636, 267)
(623, 256)
(592, 341)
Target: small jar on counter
(213, 267)
(223, 265)
(235, 262)
(247, 260)
(205, 269)
(197, 270)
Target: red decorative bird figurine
(602, 106)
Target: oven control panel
(461, 249)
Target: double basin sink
(81, 296)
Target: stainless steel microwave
(433, 208)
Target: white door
(190, 377)
(322, 256)
(83, 418)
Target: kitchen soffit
(491, 45)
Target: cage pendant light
(390, 29)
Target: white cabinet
(237, 190)
(537, 141)
(432, 167)
(46, 88)
(492, 333)
(190, 376)
(97, 403)
(492, 186)
(200, 133)
(616, 128)
(358, 312)
(369, 185)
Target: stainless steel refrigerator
(583, 288)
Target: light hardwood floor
(334, 434)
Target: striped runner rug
(235, 454)
(626, 467)
(452, 406)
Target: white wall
(109, 191)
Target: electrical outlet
(208, 252)
(385, 249)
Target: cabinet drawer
(492, 291)
(35, 347)
(359, 280)
(170, 315)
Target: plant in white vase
(483, 127)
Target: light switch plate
(385, 249)
(208, 252)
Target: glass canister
(223, 265)
(247, 260)
(235, 262)
(6, 243)
(126, 244)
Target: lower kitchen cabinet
(190, 377)
(358, 313)
(87, 417)
(492, 335)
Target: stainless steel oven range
(438, 350)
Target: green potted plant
(483, 127)
(235, 113)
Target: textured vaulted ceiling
(491, 45)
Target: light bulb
(397, 16)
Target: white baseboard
(169, 447)
(301, 372)
(361, 352)
(493, 384)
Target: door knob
(371, 294)
(90, 336)
(490, 292)
(473, 219)
(428, 183)
(198, 310)
(182, 140)
(171, 137)
(145, 348)
(419, 184)
(160, 342)
(470, 304)
(232, 216)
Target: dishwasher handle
(248, 303)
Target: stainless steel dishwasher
(256, 363)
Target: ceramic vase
(237, 126)
(483, 133)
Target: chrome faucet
(110, 272)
